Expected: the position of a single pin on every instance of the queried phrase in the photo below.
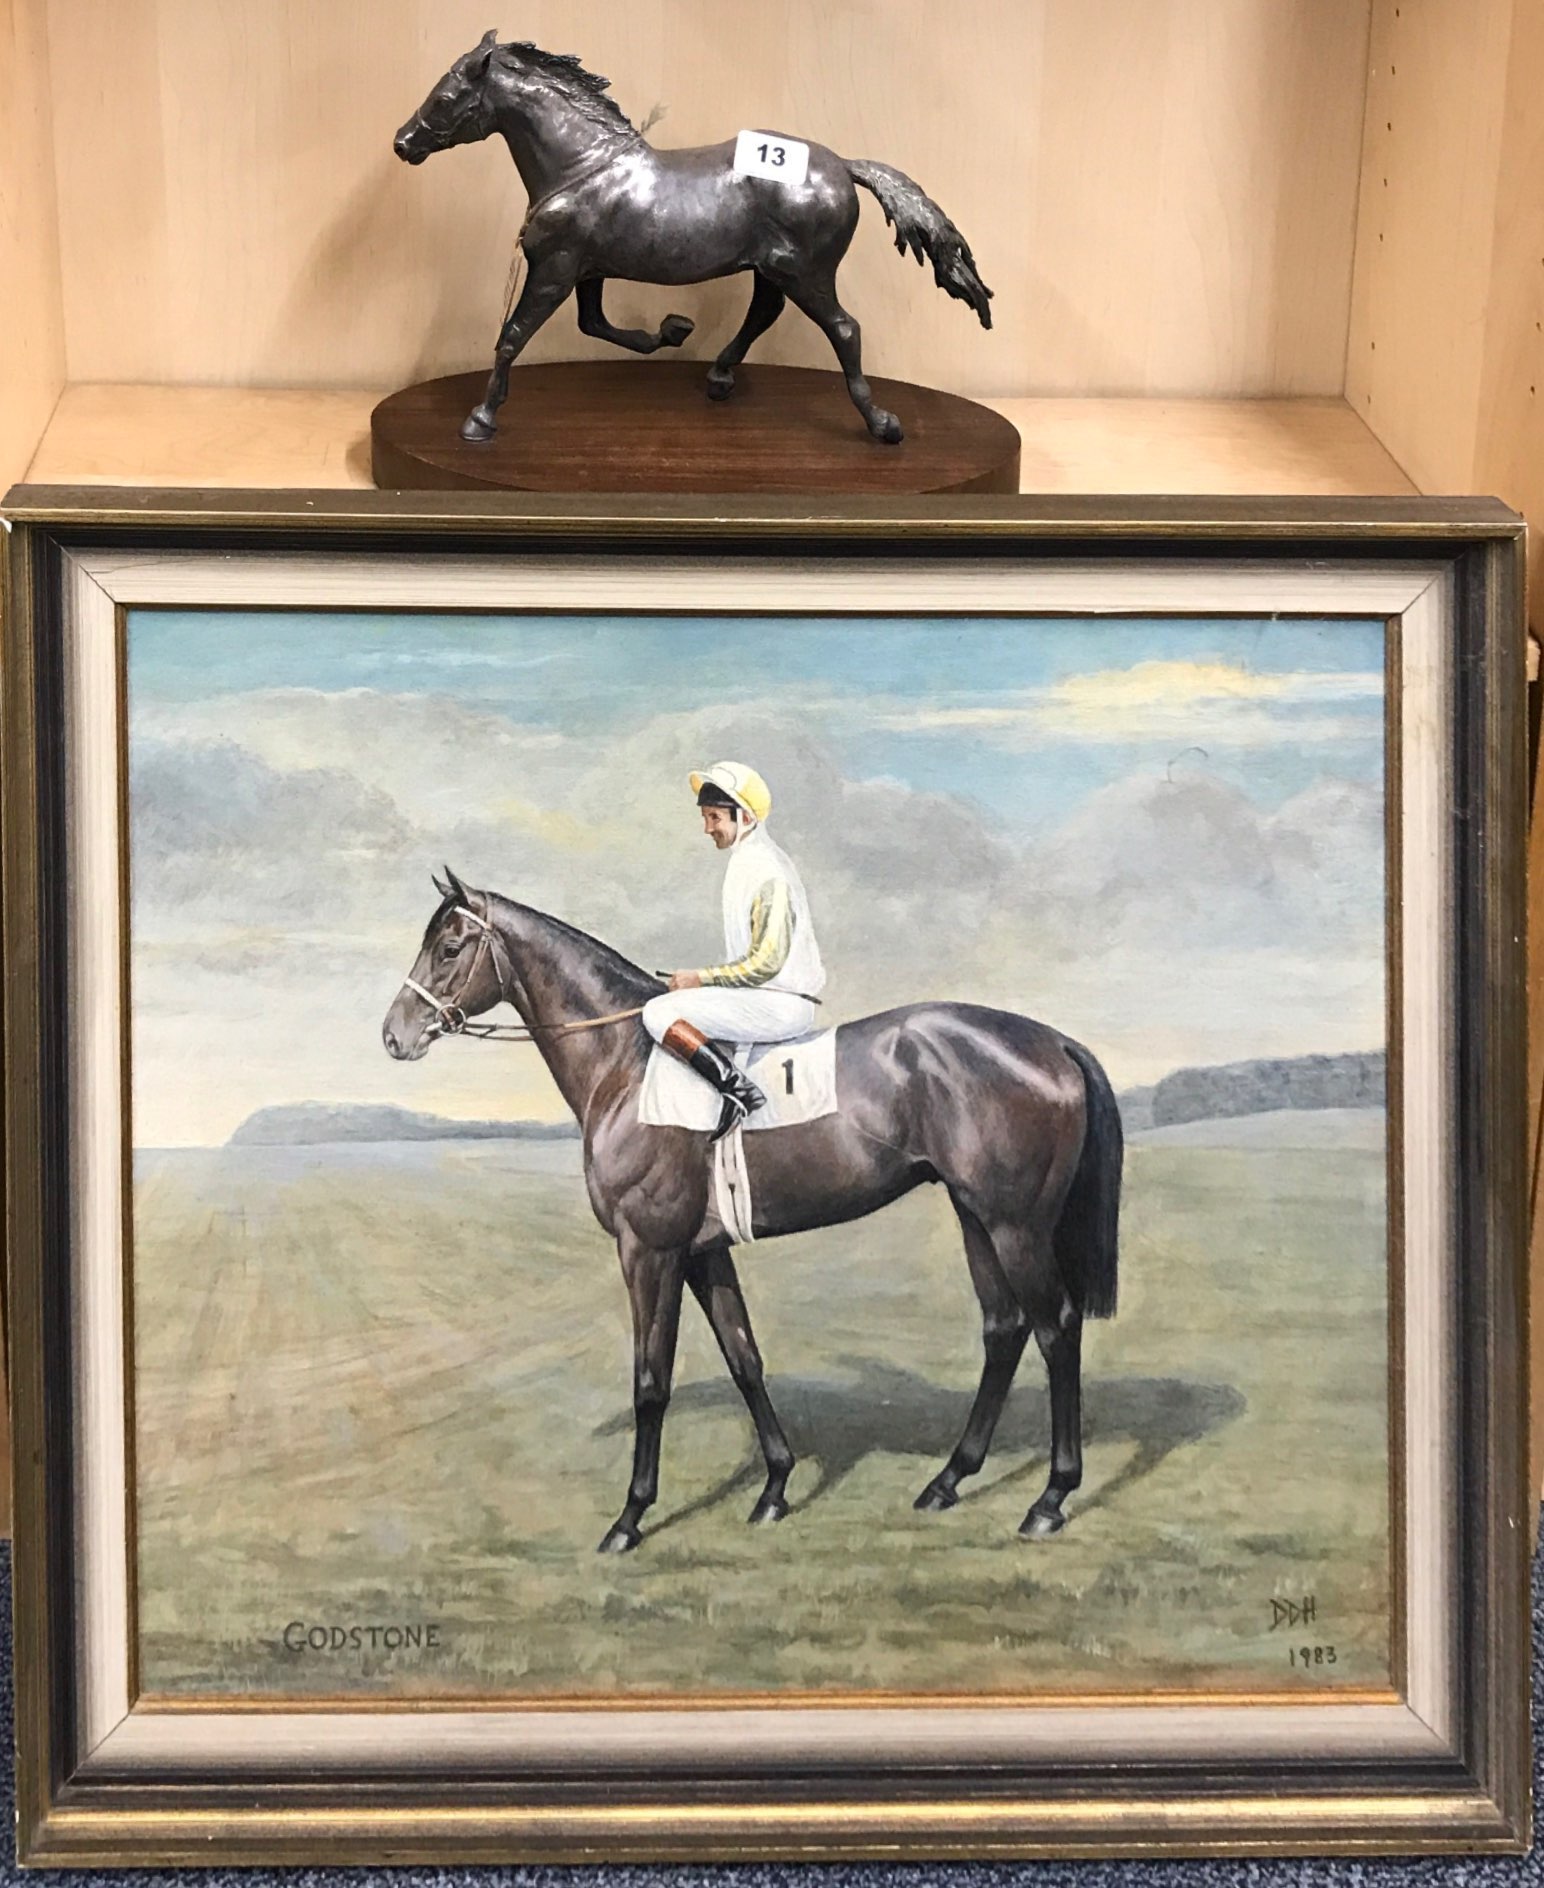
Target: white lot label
(759, 154)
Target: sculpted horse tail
(1087, 1233)
(920, 225)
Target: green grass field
(391, 1386)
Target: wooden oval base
(649, 426)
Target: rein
(451, 1020)
(523, 1032)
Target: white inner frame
(200, 1739)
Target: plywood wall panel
(1430, 165)
(1446, 353)
(1509, 451)
(1194, 215)
(32, 326)
(1162, 194)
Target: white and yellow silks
(772, 967)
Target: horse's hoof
(936, 1498)
(768, 1509)
(674, 329)
(1041, 1523)
(886, 427)
(478, 427)
(620, 1539)
(720, 383)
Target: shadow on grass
(881, 1409)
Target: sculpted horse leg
(654, 1277)
(672, 331)
(544, 294)
(767, 302)
(716, 1286)
(818, 300)
(1004, 1333)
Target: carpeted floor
(1302, 1874)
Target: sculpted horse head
(457, 110)
(494, 88)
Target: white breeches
(732, 1015)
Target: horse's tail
(920, 224)
(1087, 1233)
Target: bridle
(450, 1019)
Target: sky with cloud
(1163, 836)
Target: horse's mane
(619, 976)
(584, 89)
(626, 978)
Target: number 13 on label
(760, 154)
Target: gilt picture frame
(1166, 858)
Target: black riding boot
(741, 1095)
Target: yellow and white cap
(743, 785)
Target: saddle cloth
(798, 1078)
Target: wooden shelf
(153, 435)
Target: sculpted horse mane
(577, 83)
(1016, 1120)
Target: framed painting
(944, 1086)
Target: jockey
(764, 991)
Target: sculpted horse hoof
(478, 426)
(674, 329)
(619, 1540)
(720, 383)
(886, 427)
(936, 1498)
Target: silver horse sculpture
(604, 202)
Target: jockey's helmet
(736, 783)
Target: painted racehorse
(604, 202)
(1017, 1121)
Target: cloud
(1182, 684)
(1169, 920)
(438, 661)
(1329, 846)
(1215, 704)
(433, 757)
(1190, 862)
(216, 827)
(603, 830)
